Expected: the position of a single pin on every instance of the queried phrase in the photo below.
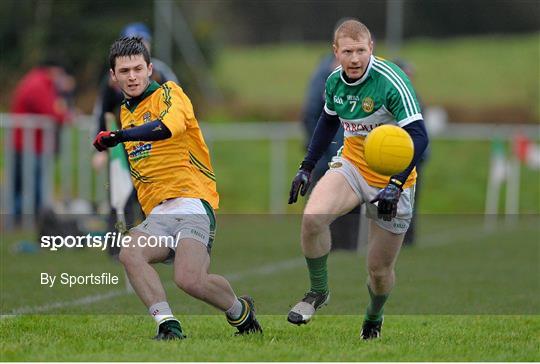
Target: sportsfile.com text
(112, 239)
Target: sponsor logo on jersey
(354, 127)
(140, 151)
(353, 98)
(368, 104)
(146, 117)
(338, 100)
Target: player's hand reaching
(106, 139)
(388, 199)
(301, 182)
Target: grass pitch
(476, 74)
(454, 178)
(462, 294)
(327, 338)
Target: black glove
(388, 199)
(301, 181)
(107, 139)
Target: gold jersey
(175, 167)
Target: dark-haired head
(128, 47)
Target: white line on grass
(429, 241)
(87, 300)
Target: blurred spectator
(109, 100)
(313, 107)
(410, 71)
(39, 92)
(345, 229)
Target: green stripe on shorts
(212, 217)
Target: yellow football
(388, 149)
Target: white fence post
(278, 158)
(29, 161)
(7, 195)
(48, 167)
(66, 164)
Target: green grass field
(469, 72)
(454, 179)
(463, 293)
(327, 338)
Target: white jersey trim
(337, 69)
(406, 96)
(363, 78)
(408, 93)
(328, 111)
(410, 119)
(404, 99)
(401, 82)
(377, 114)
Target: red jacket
(36, 94)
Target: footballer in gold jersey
(176, 186)
(178, 166)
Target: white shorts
(366, 193)
(181, 218)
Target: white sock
(235, 311)
(160, 312)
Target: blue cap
(137, 30)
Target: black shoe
(170, 330)
(247, 323)
(371, 329)
(302, 312)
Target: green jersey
(384, 95)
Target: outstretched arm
(152, 131)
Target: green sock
(374, 311)
(318, 273)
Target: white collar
(364, 76)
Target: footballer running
(363, 92)
(176, 187)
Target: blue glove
(388, 199)
(301, 182)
